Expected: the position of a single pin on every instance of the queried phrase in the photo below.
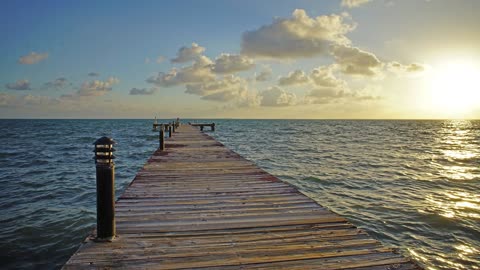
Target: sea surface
(414, 185)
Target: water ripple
(412, 184)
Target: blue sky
(353, 59)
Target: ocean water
(411, 184)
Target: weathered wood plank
(199, 205)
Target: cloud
(231, 63)
(353, 3)
(353, 61)
(330, 90)
(19, 85)
(199, 72)
(410, 69)
(38, 100)
(160, 59)
(97, 87)
(143, 91)
(323, 77)
(186, 54)
(228, 88)
(299, 36)
(324, 95)
(293, 78)
(264, 75)
(57, 84)
(32, 58)
(93, 74)
(277, 97)
(7, 100)
(326, 86)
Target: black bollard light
(105, 189)
(161, 138)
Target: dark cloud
(143, 91)
(57, 84)
(19, 85)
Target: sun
(454, 88)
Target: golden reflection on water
(458, 146)
(458, 172)
(452, 204)
(456, 159)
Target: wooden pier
(198, 204)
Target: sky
(322, 59)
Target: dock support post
(161, 138)
(173, 127)
(213, 126)
(105, 171)
(169, 131)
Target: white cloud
(199, 72)
(231, 63)
(186, 54)
(143, 91)
(324, 95)
(160, 59)
(326, 86)
(412, 69)
(249, 99)
(277, 97)
(353, 3)
(97, 87)
(7, 100)
(293, 78)
(228, 88)
(32, 58)
(38, 100)
(323, 77)
(19, 85)
(353, 61)
(299, 36)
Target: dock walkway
(198, 204)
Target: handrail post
(173, 127)
(169, 131)
(213, 126)
(105, 172)
(161, 138)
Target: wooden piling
(161, 138)
(212, 126)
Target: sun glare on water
(454, 88)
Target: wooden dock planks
(200, 205)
